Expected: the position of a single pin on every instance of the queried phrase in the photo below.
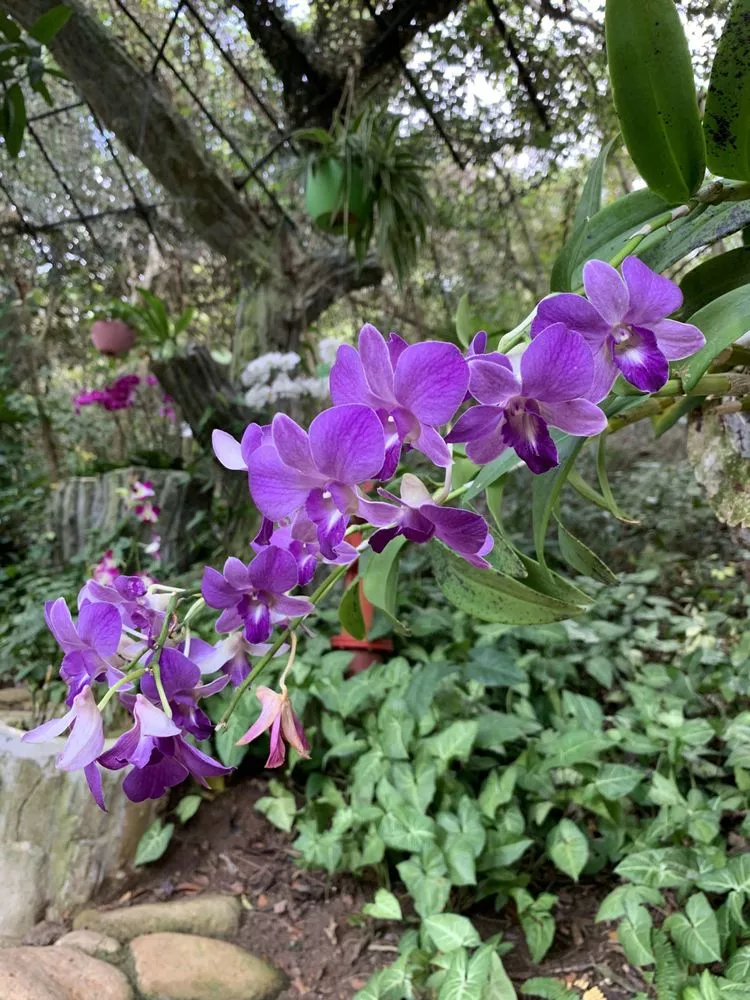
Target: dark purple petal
(382, 536)
(257, 623)
(228, 450)
(652, 297)
(347, 443)
(60, 624)
(347, 380)
(640, 360)
(576, 416)
(461, 530)
(492, 383)
(557, 365)
(392, 458)
(178, 673)
(152, 781)
(121, 752)
(265, 531)
(676, 340)
(605, 290)
(276, 488)
(575, 312)
(416, 527)
(100, 626)
(376, 362)
(274, 570)
(526, 432)
(478, 344)
(477, 422)
(94, 781)
(199, 764)
(431, 380)
(217, 593)
(130, 587)
(292, 444)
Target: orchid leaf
(713, 277)
(350, 611)
(654, 94)
(380, 579)
(726, 122)
(668, 246)
(722, 321)
(601, 471)
(545, 492)
(580, 557)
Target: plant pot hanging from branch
(112, 336)
(335, 197)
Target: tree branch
(131, 103)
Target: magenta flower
(234, 454)
(255, 595)
(106, 570)
(142, 490)
(623, 320)
(129, 594)
(418, 518)
(118, 396)
(277, 715)
(414, 389)
(556, 371)
(85, 645)
(318, 472)
(85, 743)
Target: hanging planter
(336, 202)
(112, 336)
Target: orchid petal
(274, 570)
(94, 781)
(652, 296)
(292, 444)
(477, 422)
(347, 382)
(431, 380)
(575, 312)
(228, 450)
(60, 624)
(217, 593)
(49, 730)
(527, 433)
(605, 290)
(414, 493)
(431, 444)
(151, 720)
(676, 340)
(277, 750)
(270, 709)
(277, 489)
(576, 416)
(100, 626)
(492, 383)
(236, 574)
(258, 623)
(640, 360)
(292, 731)
(292, 607)
(557, 365)
(347, 443)
(86, 740)
(376, 363)
(396, 347)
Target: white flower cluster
(268, 378)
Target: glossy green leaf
(14, 118)
(580, 557)
(654, 93)
(634, 934)
(498, 985)
(350, 611)
(380, 578)
(701, 229)
(713, 277)
(722, 321)
(493, 471)
(430, 890)
(726, 121)
(44, 29)
(696, 931)
(568, 848)
(385, 906)
(607, 231)
(589, 204)
(545, 492)
(680, 408)
(449, 931)
(187, 807)
(616, 780)
(492, 596)
(601, 471)
(154, 842)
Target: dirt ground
(308, 924)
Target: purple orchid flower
(234, 454)
(231, 655)
(556, 371)
(624, 321)
(277, 715)
(160, 756)
(86, 645)
(419, 519)
(300, 538)
(318, 472)
(414, 389)
(138, 609)
(180, 679)
(255, 595)
(85, 743)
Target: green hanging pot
(330, 206)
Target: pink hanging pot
(112, 336)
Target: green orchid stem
(728, 384)
(132, 675)
(333, 577)
(651, 227)
(650, 408)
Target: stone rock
(56, 845)
(46, 932)
(211, 915)
(15, 697)
(59, 974)
(92, 942)
(188, 967)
